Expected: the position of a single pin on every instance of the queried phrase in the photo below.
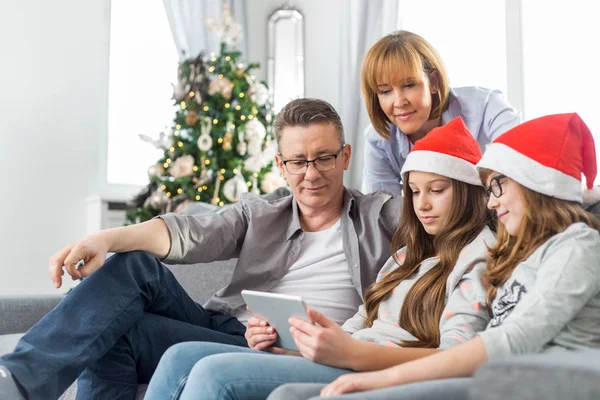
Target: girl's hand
(259, 334)
(326, 344)
(360, 382)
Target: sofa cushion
(550, 376)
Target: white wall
(53, 118)
(322, 36)
(53, 113)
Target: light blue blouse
(485, 112)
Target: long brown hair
(423, 305)
(543, 217)
(401, 54)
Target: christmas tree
(221, 142)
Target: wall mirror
(285, 67)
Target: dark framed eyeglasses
(495, 187)
(322, 164)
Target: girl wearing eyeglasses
(543, 273)
(430, 295)
(406, 91)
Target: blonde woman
(406, 92)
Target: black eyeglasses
(495, 187)
(322, 164)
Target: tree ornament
(255, 129)
(253, 164)
(227, 141)
(157, 200)
(258, 93)
(241, 148)
(205, 142)
(272, 181)
(226, 29)
(254, 146)
(182, 166)
(221, 86)
(156, 170)
(234, 187)
(191, 118)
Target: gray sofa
(18, 314)
(553, 376)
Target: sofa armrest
(550, 376)
(19, 313)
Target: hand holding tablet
(277, 309)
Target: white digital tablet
(276, 309)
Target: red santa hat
(547, 155)
(449, 150)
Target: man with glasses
(324, 242)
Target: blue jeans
(216, 371)
(112, 329)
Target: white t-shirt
(321, 276)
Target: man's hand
(259, 334)
(360, 382)
(92, 250)
(326, 344)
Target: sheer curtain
(362, 24)
(186, 19)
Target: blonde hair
(543, 217)
(425, 301)
(401, 54)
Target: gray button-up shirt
(266, 238)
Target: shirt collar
(348, 208)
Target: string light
(172, 149)
(163, 187)
(199, 189)
(177, 127)
(241, 95)
(213, 59)
(235, 171)
(176, 132)
(231, 85)
(168, 194)
(195, 168)
(211, 69)
(215, 121)
(249, 184)
(254, 111)
(204, 187)
(180, 144)
(232, 126)
(183, 105)
(220, 140)
(250, 116)
(255, 175)
(243, 117)
(166, 165)
(205, 108)
(222, 170)
(220, 76)
(169, 160)
(207, 162)
(227, 58)
(221, 204)
(222, 177)
(192, 94)
(197, 198)
(179, 191)
(227, 105)
(238, 107)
